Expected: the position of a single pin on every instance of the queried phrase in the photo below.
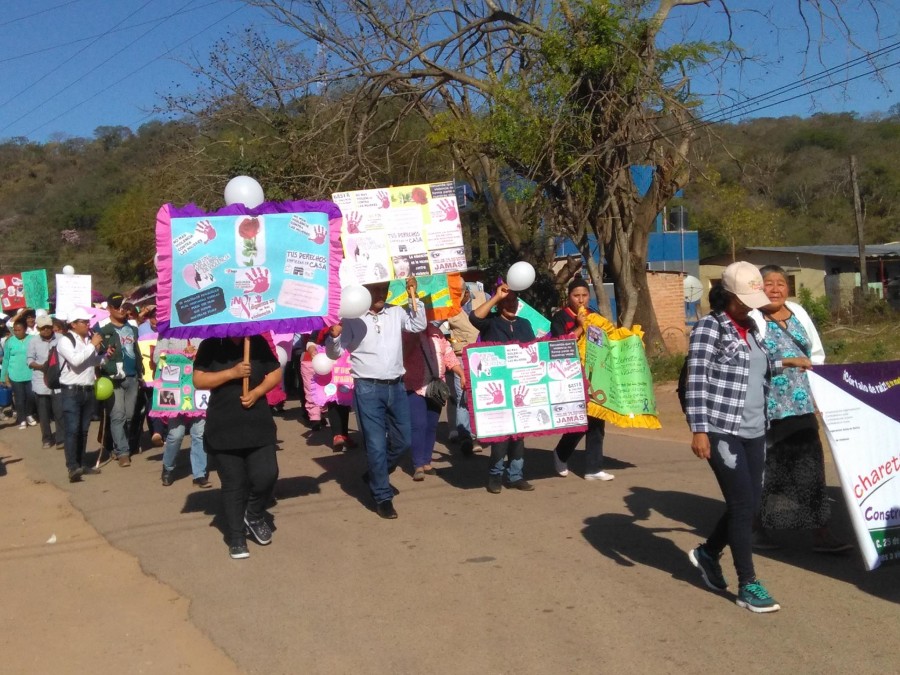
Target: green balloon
(103, 389)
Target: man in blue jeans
(125, 368)
(79, 354)
(376, 364)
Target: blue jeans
(515, 448)
(382, 412)
(77, 406)
(120, 407)
(593, 446)
(177, 427)
(738, 464)
(23, 397)
(424, 417)
(462, 424)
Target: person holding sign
(379, 395)
(570, 321)
(240, 432)
(502, 326)
(728, 377)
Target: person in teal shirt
(16, 374)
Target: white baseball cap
(79, 314)
(744, 280)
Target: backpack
(53, 367)
(681, 390)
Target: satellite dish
(693, 289)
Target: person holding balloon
(79, 354)
(503, 326)
(372, 332)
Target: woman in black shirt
(240, 432)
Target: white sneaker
(22, 426)
(561, 467)
(31, 421)
(600, 475)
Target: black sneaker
(709, 567)
(386, 509)
(90, 471)
(202, 482)
(259, 530)
(495, 484)
(238, 551)
(167, 478)
(75, 475)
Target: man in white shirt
(376, 364)
(79, 353)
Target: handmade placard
(524, 389)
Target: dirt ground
(577, 576)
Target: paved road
(573, 577)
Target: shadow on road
(7, 460)
(627, 541)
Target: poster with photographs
(397, 232)
(525, 389)
(173, 388)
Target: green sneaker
(756, 598)
(709, 567)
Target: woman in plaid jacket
(728, 373)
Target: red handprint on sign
(258, 277)
(382, 195)
(318, 235)
(531, 351)
(448, 210)
(519, 396)
(496, 393)
(354, 218)
(205, 232)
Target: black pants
(338, 418)
(593, 445)
(23, 397)
(248, 477)
(738, 464)
(49, 408)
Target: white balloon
(520, 276)
(244, 190)
(322, 364)
(282, 355)
(68, 270)
(355, 301)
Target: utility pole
(860, 234)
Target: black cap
(115, 300)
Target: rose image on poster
(250, 241)
(419, 196)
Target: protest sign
(525, 389)
(620, 385)
(72, 290)
(336, 386)
(397, 232)
(12, 294)
(173, 388)
(860, 407)
(440, 293)
(540, 324)
(239, 272)
(36, 292)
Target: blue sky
(69, 66)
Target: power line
(109, 32)
(133, 72)
(63, 63)
(38, 13)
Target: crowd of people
(747, 403)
